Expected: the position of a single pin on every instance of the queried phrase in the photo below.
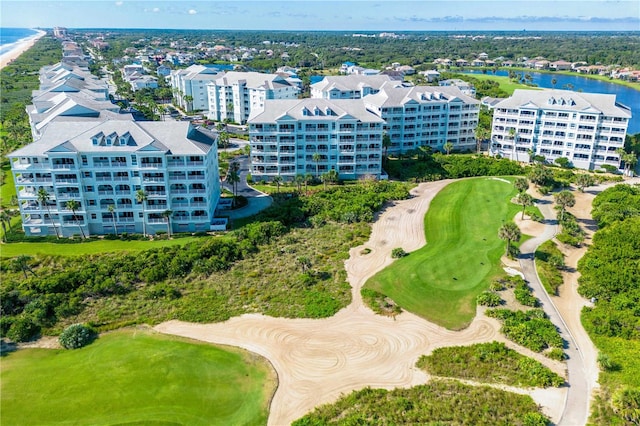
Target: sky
(348, 15)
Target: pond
(624, 95)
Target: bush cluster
(489, 362)
(489, 298)
(523, 294)
(77, 336)
(549, 262)
(531, 329)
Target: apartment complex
(313, 136)
(189, 86)
(102, 164)
(85, 150)
(425, 115)
(586, 128)
(234, 95)
(349, 86)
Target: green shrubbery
(398, 252)
(489, 298)
(77, 336)
(489, 362)
(549, 263)
(531, 329)
(523, 294)
(379, 303)
(438, 402)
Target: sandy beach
(19, 48)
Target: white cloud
(156, 9)
(192, 11)
(119, 3)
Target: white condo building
(349, 86)
(585, 128)
(313, 136)
(425, 115)
(235, 95)
(192, 82)
(104, 163)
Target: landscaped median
(136, 377)
(440, 282)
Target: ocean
(10, 36)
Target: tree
(584, 180)
(308, 178)
(167, 216)
(233, 178)
(43, 199)
(540, 175)
(626, 403)
(21, 263)
(448, 146)
(481, 135)
(386, 144)
(278, 181)
(5, 221)
(76, 336)
(521, 184)
(564, 199)
(299, 180)
(73, 205)
(316, 159)
(629, 160)
(332, 176)
(525, 200)
(187, 100)
(141, 197)
(112, 209)
(305, 264)
(509, 232)
(563, 162)
(553, 82)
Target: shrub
(398, 252)
(557, 354)
(523, 295)
(76, 336)
(23, 329)
(488, 298)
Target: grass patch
(136, 377)
(491, 363)
(549, 260)
(87, 247)
(441, 281)
(504, 82)
(8, 188)
(438, 402)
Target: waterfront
(624, 95)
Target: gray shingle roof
(313, 109)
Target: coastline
(19, 48)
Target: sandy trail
(318, 360)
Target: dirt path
(318, 360)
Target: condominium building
(189, 86)
(102, 164)
(586, 128)
(234, 95)
(425, 115)
(313, 136)
(349, 86)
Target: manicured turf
(88, 247)
(8, 189)
(440, 281)
(505, 83)
(136, 377)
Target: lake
(625, 95)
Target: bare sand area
(318, 360)
(19, 48)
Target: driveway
(257, 201)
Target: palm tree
(141, 197)
(481, 135)
(43, 199)
(22, 263)
(73, 205)
(167, 216)
(277, 180)
(386, 144)
(509, 232)
(233, 177)
(584, 180)
(112, 209)
(316, 159)
(521, 184)
(4, 220)
(333, 176)
(448, 146)
(629, 160)
(564, 199)
(187, 100)
(553, 82)
(299, 180)
(307, 178)
(526, 200)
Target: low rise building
(348, 86)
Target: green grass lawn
(7, 189)
(505, 83)
(136, 377)
(440, 281)
(84, 248)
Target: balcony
(150, 165)
(195, 163)
(63, 166)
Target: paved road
(257, 201)
(576, 409)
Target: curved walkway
(576, 406)
(318, 360)
(257, 201)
